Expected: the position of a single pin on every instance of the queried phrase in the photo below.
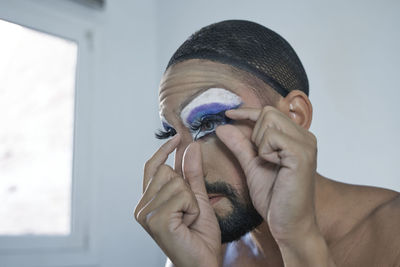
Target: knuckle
(162, 173)
(269, 132)
(262, 151)
(153, 222)
(178, 183)
(185, 195)
(266, 109)
(269, 114)
(147, 164)
(164, 169)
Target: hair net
(248, 46)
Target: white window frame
(76, 248)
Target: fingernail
(229, 111)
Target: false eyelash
(216, 118)
(160, 134)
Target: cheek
(219, 164)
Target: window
(37, 85)
(45, 116)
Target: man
(244, 190)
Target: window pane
(37, 81)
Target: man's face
(191, 88)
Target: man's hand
(176, 212)
(279, 161)
(281, 170)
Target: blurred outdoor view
(37, 83)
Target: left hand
(279, 161)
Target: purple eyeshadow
(206, 109)
(165, 125)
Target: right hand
(176, 211)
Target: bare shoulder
(349, 205)
(384, 223)
(375, 239)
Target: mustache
(221, 188)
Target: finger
(258, 130)
(274, 147)
(159, 158)
(205, 222)
(179, 204)
(163, 175)
(260, 116)
(265, 149)
(193, 170)
(169, 190)
(244, 114)
(269, 117)
(240, 146)
(273, 118)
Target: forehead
(186, 80)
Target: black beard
(243, 218)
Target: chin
(222, 207)
(235, 219)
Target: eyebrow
(190, 98)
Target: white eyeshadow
(212, 95)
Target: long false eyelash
(215, 119)
(219, 117)
(160, 134)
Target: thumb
(206, 224)
(193, 170)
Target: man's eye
(207, 125)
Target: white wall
(350, 52)
(121, 113)
(125, 103)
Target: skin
(269, 156)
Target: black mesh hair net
(248, 46)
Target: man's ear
(297, 106)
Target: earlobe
(297, 106)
